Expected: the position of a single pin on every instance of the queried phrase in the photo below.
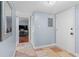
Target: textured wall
(42, 34)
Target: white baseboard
(77, 54)
(73, 53)
(67, 50)
(54, 44)
(45, 46)
(14, 52)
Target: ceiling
(43, 6)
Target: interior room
(23, 30)
(39, 29)
(52, 27)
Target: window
(50, 22)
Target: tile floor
(26, 50)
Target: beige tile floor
(26, 50)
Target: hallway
(39, 29)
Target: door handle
(71, 33)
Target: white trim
(29, 25)
(77, 55)
(54, 44)
(72, 53)
(32, 42)
(67, 50)
(17, 30)
(14, 53)
(30, 32)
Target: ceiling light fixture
(51, 2)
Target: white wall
(7, 46)
(65, 20)
(23, 21)
(23, 18)
(42, 35)
(23, 14)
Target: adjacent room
(23, 30)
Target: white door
(65, 29)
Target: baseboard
(73, 53)
(77, 54)
(44, 46)
(54, 44)
(14, 52)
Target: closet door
(65, 29)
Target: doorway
(23, 30)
